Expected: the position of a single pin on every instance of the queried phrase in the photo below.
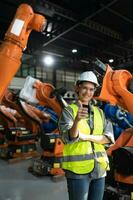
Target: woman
(84, 131)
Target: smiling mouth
(86, 96)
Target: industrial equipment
(22, 126)
(116, 87)
(44, 94)
(15, 41)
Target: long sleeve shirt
(66, 121)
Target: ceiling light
(48, 60)
(111, 60)
(49, 28)
(74, 50)
(48, 34)
(85, 61)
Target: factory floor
(16, 183)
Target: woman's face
(86, 91)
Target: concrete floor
(16, 183)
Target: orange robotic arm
(115, 88)
(44, 94)
(36, 92)
(15, 41)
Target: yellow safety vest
(78, 157)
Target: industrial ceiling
(96, 28)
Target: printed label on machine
(17, 27)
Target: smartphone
(86, 106)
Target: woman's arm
(106, 138)
(99, 139)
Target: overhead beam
(60, 11)
(102, 29)
(119, 15)
(119, 44)
(107, 51)
(78, 23)
(67, 14)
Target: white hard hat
(88, 76)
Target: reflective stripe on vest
(82, 157)
(78, 156)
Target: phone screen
(86, 106)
